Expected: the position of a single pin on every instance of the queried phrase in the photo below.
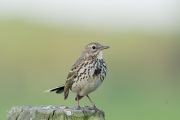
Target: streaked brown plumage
(87, 73)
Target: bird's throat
(100, 55)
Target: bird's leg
(95, 106)
(92, 102)
(78, 102)
(79, 108)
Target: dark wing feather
(71, 76)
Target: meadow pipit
(86, 75)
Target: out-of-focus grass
(142, 83)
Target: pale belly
(86, 86)
(87, 82)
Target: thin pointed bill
(104, 47)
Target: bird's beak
(104, 47)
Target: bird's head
(92, 49)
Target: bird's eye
(93, 47)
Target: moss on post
(52, 113)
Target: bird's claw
(80, 108)
(96, 109)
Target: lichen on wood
(52, 113)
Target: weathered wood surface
(52, 113)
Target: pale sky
(120, 14)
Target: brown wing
(71, 76)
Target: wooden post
(52, 113)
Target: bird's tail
(59, 89)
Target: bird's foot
(80, 108)
(56, 107)
(95, 108)
(61, 107)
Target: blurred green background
(142, 83)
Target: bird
(86, 74)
